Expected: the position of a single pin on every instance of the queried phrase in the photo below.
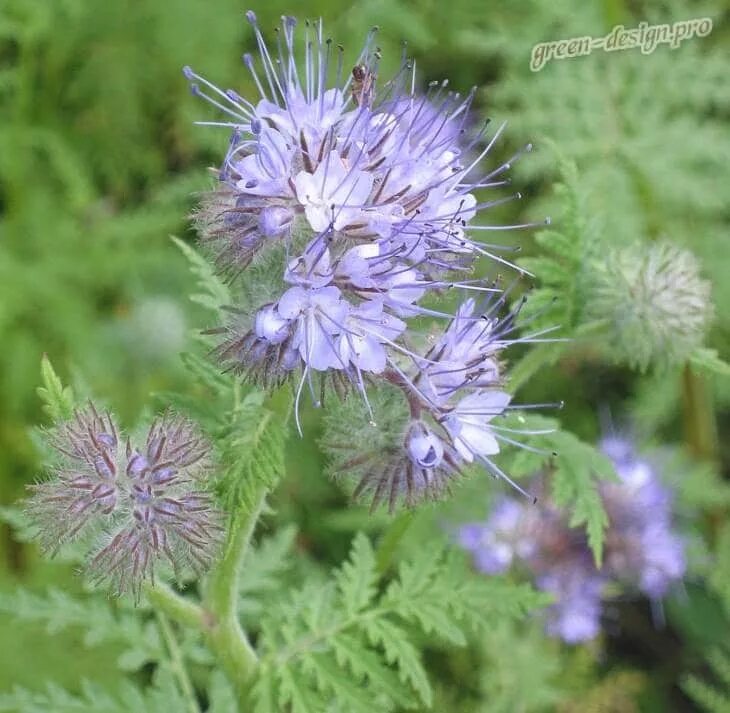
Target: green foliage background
(99, 165)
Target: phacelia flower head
(642, 551)
(655, 301)
(137, 504)
(357, 199)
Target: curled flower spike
(139, 505)
(642, 550)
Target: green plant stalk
(179, 609)
(391, 539)
(699, 417)
(222, 628)
(217, 616)
(177, 663)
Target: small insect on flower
(133, 506)
(364, 188)
(363, 85)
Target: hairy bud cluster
(657, 304)
(366, 193)
(138, 504)
(642, 550)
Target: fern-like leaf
(213, 292)
(253, 443)
(161, 698)
(58, 400)
(712, 697)
(57, 611)
(351, 641)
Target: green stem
(699, 416)
(217, 618)
(223, 630)
(177, 664)
(390, 540)
(179, 609)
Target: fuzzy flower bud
(657, 305)
(134, 505)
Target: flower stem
(177, 664)
(179, 609)
(391, 539)
(699, 417)
(217, 618)
(223, 630)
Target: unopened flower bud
(274, 221)
(424, 448)
(655, 301)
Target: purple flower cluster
(642, 551)
(139, 505)
(368, 193)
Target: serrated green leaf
(578, 465)
(576, 469)
(57, 611)
(342, 631)
(214, 294)
(254, 447)
(263, 563)
(58, 400)
(296, 692)
(351, 653)
(399, 650)
(357, 577)
(160, 698)
(353, 696)
(415, 575)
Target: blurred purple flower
(641, 549)
(576, 614)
